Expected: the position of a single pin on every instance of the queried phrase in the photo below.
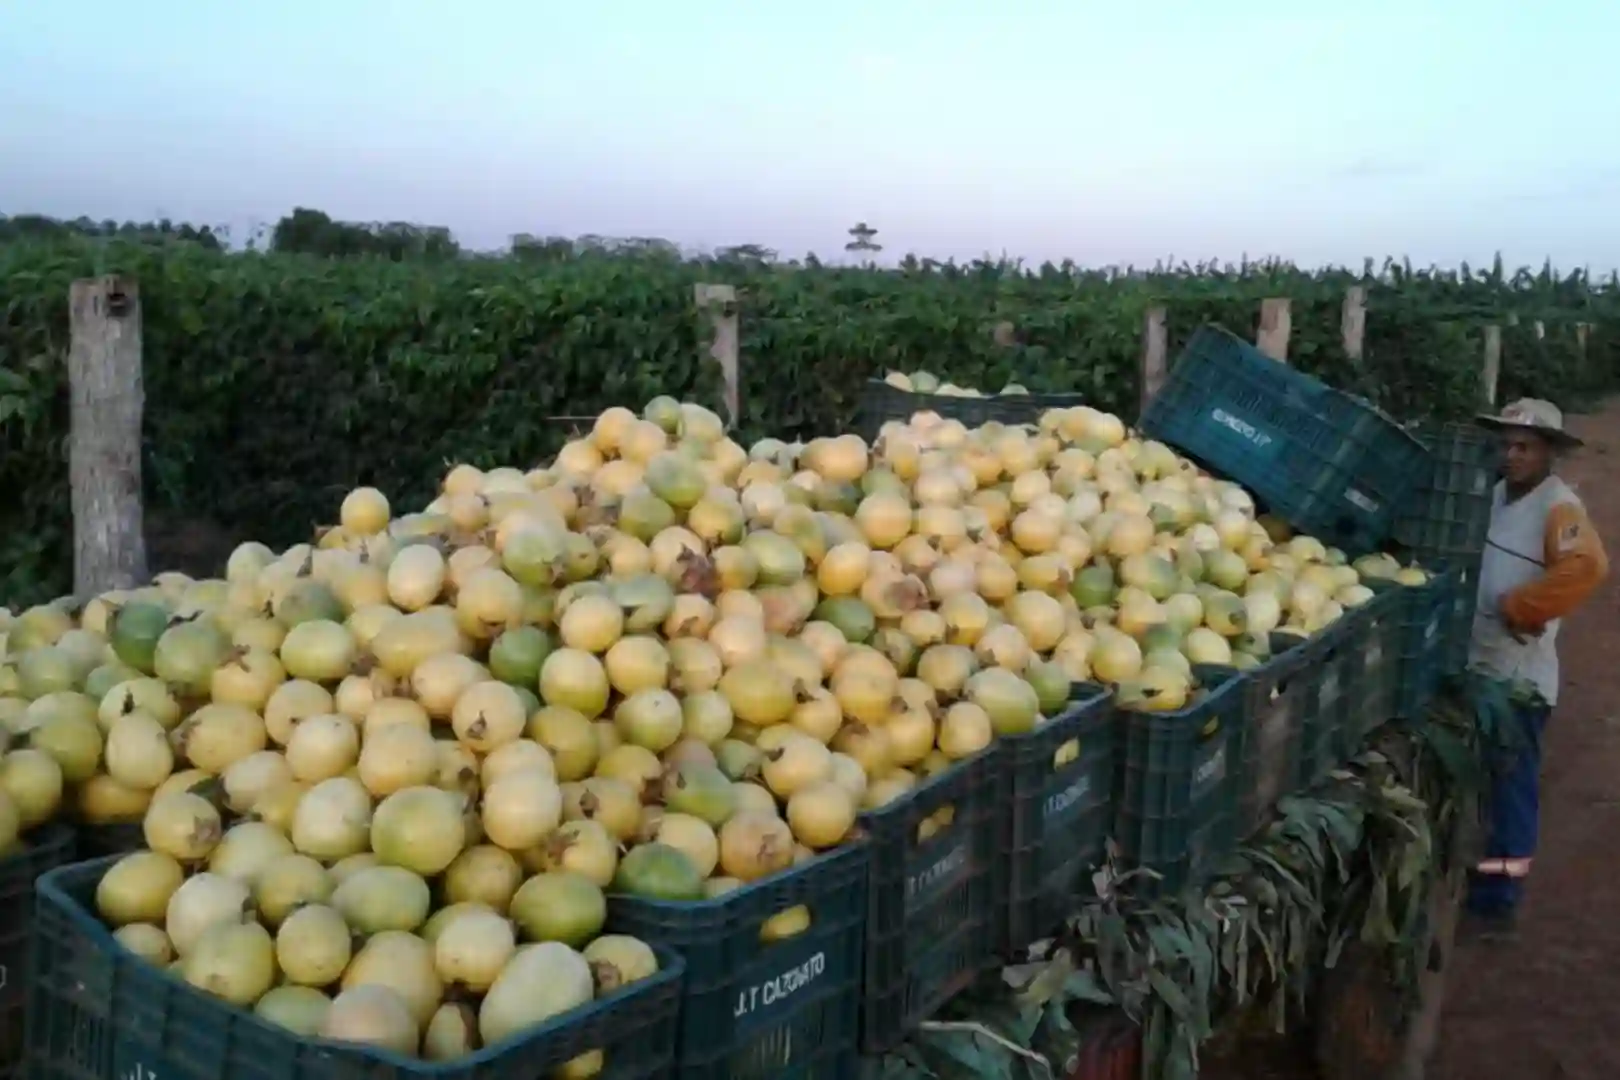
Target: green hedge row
(274, 383)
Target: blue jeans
(1497, 886)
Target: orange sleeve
(1576, 566)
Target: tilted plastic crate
(1057, 785)
(756, 1010)
(41, 850)
(930, 924)
(1176, 811)
(96, 1010)
(1277, 694)
(1328, 464)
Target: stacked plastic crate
(1328, 464)
(1446, 518)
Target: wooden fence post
(1492, 371)
(104, 459)
(1155, 354)
(1275, 325)
(721, 303)
(1353, 322)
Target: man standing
(1542, 559)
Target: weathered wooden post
(1276, 324)
(721, 303)
(1353, 322)
(1155, 353)
(1490, 374)
(104, 460)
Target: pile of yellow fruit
(924, 382)
(664, 665)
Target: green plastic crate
(930, 924)
(42, 850)
(1178, 779)
(1371, 674)
(1448, 513)
(1424, 618)
(1460, 623)
(1276, 697)
(1055, 819)
(1333, 683)
(1328, 464)
(96, 1010)
(787, 1010)
(113, 838)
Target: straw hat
(1532, 414)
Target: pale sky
(1105, 132)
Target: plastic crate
(787, 1010)
(1371, 674)
(931, 908)
(881, 402)
(1276, 698)
(41, 850)
(1425, 613)
(1055, 824)
(1327, 463)
(1458, 630)
(96, 1010)
(1448, 514)
(114, 838)
(1460, 623)
(1178, 777)
(1327, 703)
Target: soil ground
(1545, 1007)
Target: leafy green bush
(275, 382)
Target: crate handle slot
(791, 922)
(935, 824)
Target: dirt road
(1548, 1006)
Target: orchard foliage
(275, 381)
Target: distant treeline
(304, 231)
(313, 232)
(40, 227)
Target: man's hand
(1522, 634)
